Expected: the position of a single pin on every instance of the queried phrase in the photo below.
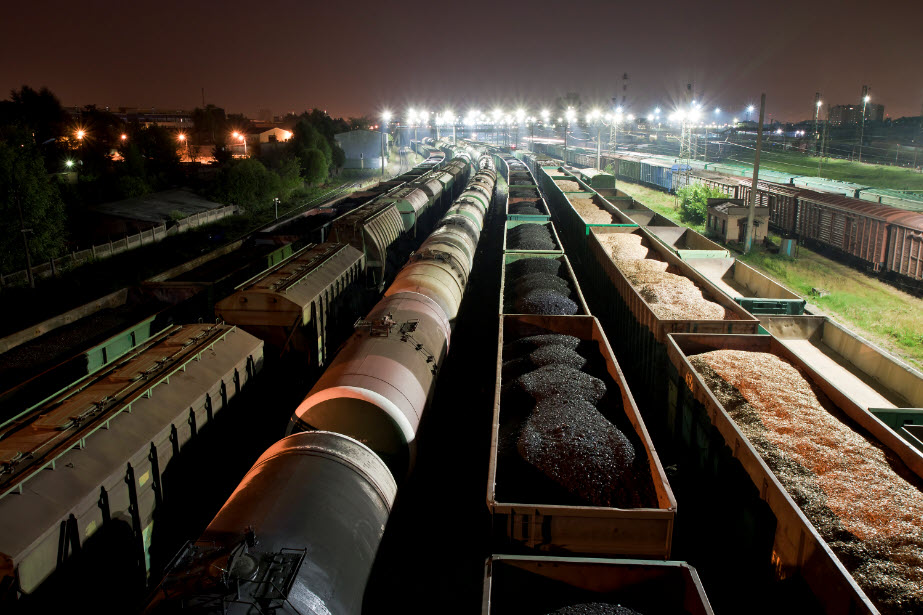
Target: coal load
(555, 433)
(527, 208)
(533, 342)
(573, 444)
(538, 286)
(530, 237)
(555, 380)
(595, 608)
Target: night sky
(354, 57)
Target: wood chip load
(591, 212)
(862, 500)
(568, 186)
(560, 440)
(670, 296)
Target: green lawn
(661, 202)
(877, 175)
(875, 310)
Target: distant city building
(362, 148)
(179, 119)
(846, 115)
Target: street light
(182, 139)
(569, 116)
(81, 134)
(749, 111)
(124, 136)
(817, 106)
(865, 101)
(386, 117)
(240, 137)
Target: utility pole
(823, 145)
(25, 242)
(756, 176)
(817, 104)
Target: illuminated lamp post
(569, 116)
(865, 101)
(386, 117)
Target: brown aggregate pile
(592, 213)
(860, 498)
(670, 296)
(568, 186)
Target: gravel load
(571, 443)
(595, 608)
(530, 237)
(669, 295)
(592, 213)
(861, 499)
(568, 186)
(561, 381)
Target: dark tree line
(54, 165)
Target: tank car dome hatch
(310, 515)
(469, 208)
(377, 387)
(452, 236)
(462, 223)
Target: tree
(314, 166)
(25, 185)
(694, 202)
(247, 182)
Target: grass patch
(877, 175)
(875, 310)
(664, 204)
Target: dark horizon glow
(365, 57)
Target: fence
(111, 248)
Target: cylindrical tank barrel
(377, 387)
(298, 535)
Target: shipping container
(521, 509)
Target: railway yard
(498, 382)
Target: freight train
(300, 532)
(301, 302)
(882, 239)
(741, 505)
